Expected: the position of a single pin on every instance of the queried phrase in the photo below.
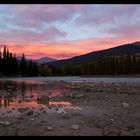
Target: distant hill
(44, 60)
(132, 48)
(40, 60)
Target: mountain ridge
(44, 60)
(41, 60)
(130, 48)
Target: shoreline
(98, 109)
(136, 75)
(112, 76)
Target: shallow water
(76, 78)
(28, 94)
(35, 93)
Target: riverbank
(75, 78)
(112, 76)
(97, 108)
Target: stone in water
(49, 128)
(5, 123)
(75, 127)
(125, 105)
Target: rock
(44, 111)
(26, 111)
(21, 100)
(112, 120)
(43, 100)
(10, 87)
(75, 127)
(21, 118)
(71, 96)
(118, 88)
(125, 105)
(49, 107)
(49, 128)
(65, 116)
(30, 112)
(100, 90)
(60, 110)
(5, 123)
(101, 124)
(41, 109)
(9, 111)
(42, 121)
(22, 110)
(114, 132)
(79, 96)
(74, 95)
(111, 131)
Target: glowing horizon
(64, 31)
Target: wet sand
(98, 109)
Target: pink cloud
(34, 29)
(126, 30)
(106, 14)
(26, 36)
(63, 50)
(37, 15)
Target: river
(76, 78)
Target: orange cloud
(62, 50)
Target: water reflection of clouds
(29, 88)
(6, 103)
(26, 94)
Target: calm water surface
(76, 78)
(15, 94)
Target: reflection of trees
(23, 89)
(0, 102)
(28, 89)
(9, 86)
(43, 100)
(10, 89)
(5, 101)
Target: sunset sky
(63, 31)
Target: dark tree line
(111, 65)
(11, 66)
(114, 65)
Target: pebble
(21, 118)
(75, 127)
(9, 111)
(44, 111)
(79, 96)
(101, 124)
(125, 105)
(30, 112)
(112, 120)
(5, 123)
(49, 128)
(22, 110)
(59, 111)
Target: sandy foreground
(98, 109)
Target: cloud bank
(63, 31)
